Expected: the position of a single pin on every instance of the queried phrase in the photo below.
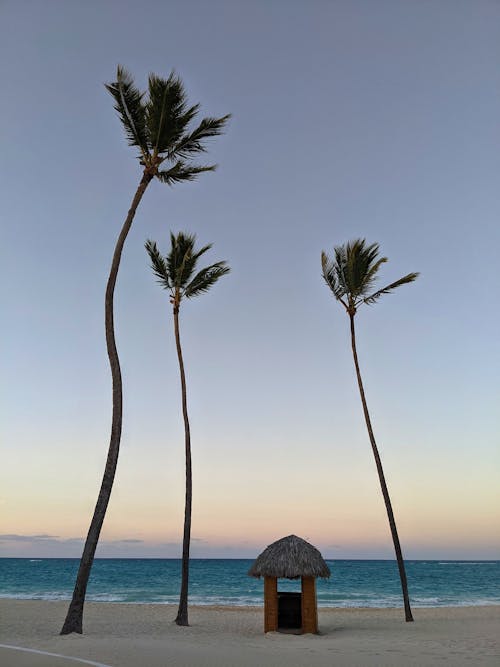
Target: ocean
(354, 583)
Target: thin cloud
(27, 538)
(12, 537)
(128, 541)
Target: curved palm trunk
(182, 614)
(385, 492)
(74, 617)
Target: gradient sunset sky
(350, 119)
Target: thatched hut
(290, 558)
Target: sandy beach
(130, 635)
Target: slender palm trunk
(385, 492)
(74, 617)
(182, 614)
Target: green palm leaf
(181, 171)
(333, 276)
(180, 245)
(181, 260)
(130, 107)
(205, 278)
(340, 267)
(359, 262)
(330, 276)
(166, 115)
(192, 143)
(389, 288)
(158, 264)
(176, 255)
(371, 273)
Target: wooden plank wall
(270, 604)
(309, 605)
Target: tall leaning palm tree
(158, 125)
(350, 275)
(175, 273)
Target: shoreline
(495, 608)
(252, 607)
(145, 635)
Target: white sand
(123, 635)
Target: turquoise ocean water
(354, 583)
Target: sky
(350, 119)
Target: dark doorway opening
(289, 611)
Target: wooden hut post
(270, 604)
(309, 605)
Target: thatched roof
(290, 558)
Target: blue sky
(350, 119)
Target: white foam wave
(461, 562)
(36, 596)
(254, 601)
(106, 597)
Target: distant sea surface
(354, 583)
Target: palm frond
(351, 272)
(327, 268)
(192, 143)
(130, 107)
(202, 251)
(331, 276)
(159, 125)
(340, 268)
(189, 257)
(176, 269)
(181, 260)
(175, 256)
(166, 112)
(205, 278)
(181, 171)
(389, 288)
(371, 274)
(358, 262)
(158, 264)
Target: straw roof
(290, 558)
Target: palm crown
(158, 125)
(352, 273)
(175, 271)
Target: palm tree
(351, 275)
(157, 124)
(175, 274)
